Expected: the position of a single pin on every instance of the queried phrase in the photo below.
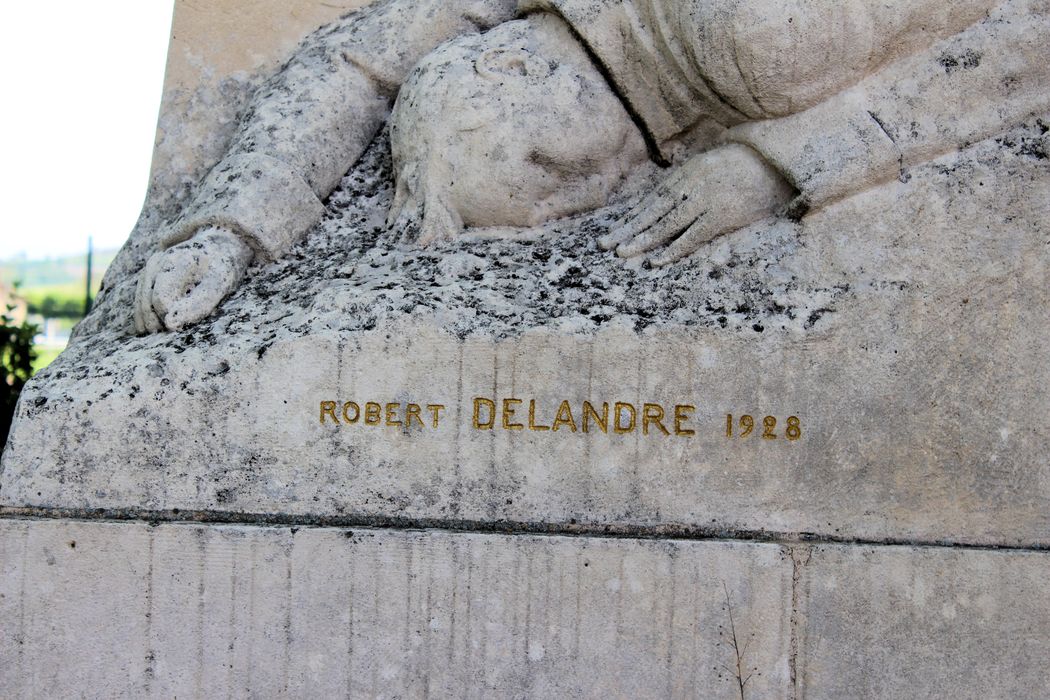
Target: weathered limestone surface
(130, 610)
(897, 308)
(218, 52)
(175, 610)
(905, 328)
(902, 622)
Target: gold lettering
(490, 412)
(682, 413)
(413, 412)
(532, 418)
(373, 413)
(748, 424)
(435, 410)
(508, 413)
(768, 424)
(618, 409)
(329, 408)
(564, 417)
(480, 424)
(601, 421)
(653, 413)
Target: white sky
(81, 90)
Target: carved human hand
(185, 283)
(712, 193)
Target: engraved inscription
(566, 417)
(586, 417)
(374, 414)
(744, 427)
(515, 414)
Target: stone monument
(558, 348)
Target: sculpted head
(510, 128)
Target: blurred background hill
(50, 293)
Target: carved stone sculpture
(560, 348)
(504, 124)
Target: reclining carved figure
(509, 113)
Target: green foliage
(55, 287)
(67, 271)
(52, 306)
(44, 357)
(16, 366)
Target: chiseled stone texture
(133, 610)
(906, 328)
(220, 52)
(903, 622)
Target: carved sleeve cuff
(259, 198)
(827, 152)
(962, 89)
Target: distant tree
(46, 309)
(16, 366)
(58, 307)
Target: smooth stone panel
(74, 613)
(110, 610)
(905, 622)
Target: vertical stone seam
(231, 643)
(351, 574)
(800, 558)
(253, 570)
(428, 635)
(288, 622)
(457, 468)
(23, 578)
(151, 655)
(202, 571)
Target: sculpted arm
(958, 73)
(304, 129)
(962, 89)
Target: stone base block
(129, 609)
(915, 622)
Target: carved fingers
(710, 194)
(646, 215)
(701, 231)
(186, 282)
(146, 319)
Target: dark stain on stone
(963, 61)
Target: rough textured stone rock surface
(182, 515)
(747, 123)
(885, 340)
